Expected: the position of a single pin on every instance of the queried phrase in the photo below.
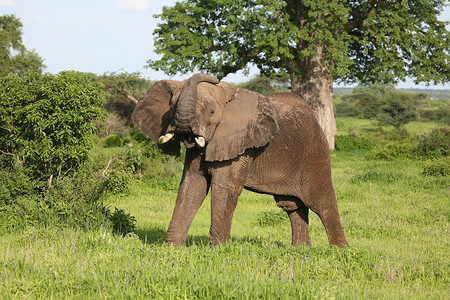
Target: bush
(271, 218)
(437, 167)
(392, 151)
(346, 109)
(434, 145)
(350, 143)
(46, 120)
(113, 140)
(440, 114)
(117, 182)
(72, 201)
(133, 160)
(122, 222)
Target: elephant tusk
(200, 141)
(165, 138)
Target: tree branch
(107, 166)
(130, 97)
(16, 157)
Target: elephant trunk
(185, 113)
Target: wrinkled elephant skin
(238, 139)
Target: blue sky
(100, 35)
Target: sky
(104, 35)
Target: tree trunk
(311, 80)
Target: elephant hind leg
(298, 215)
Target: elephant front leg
(193, 190)
(223, 204)
(227, 183)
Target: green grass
(396, 221)
(347, 125)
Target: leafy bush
(134, 160)
(138, 136)
(377, 176)
(399, 108)
(345, 109)
(46, 120)
(437, 167)
(392, 151)
(113, 140)
(122, 222)
(271, 218)
(434, 145)
(72, 201)
(349, 143)
(440, 114)
(117, 182)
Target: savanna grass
(396, 220)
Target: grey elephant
(238, 139)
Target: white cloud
(7, 3)
(139, 5)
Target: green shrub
(134, 160)
(392, 151)
(436, 144)
(350, 143)
(271, 218)
(346, 109)
(122, 222)
(71, 201)
(117, 182)
(377, 176)
(438, 114)
(138, 136)
(77, 200)
(437, 167)
(113, 140)
(46, 121)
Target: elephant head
(202, 112)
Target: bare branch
(130, 97)
(107, 166)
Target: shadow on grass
(260, 242)
(157, 235)
(152, 235)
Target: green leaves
(46, 121)
(358, 41)
(395, 40)
(15, 59)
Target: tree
(399, 108)
(15, 59)
(315, 42)
(368, 98)
(266, 85)
(122, 91)
(46, 121)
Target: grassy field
(396, 221)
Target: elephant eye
(212, 111)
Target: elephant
(235, 139)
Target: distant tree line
(391, 106)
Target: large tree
(316, 42)
(15, 59)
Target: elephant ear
(154, 113)
(249, 120)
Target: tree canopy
(46, 121)
(316, 42)
(15, 59)
(363, 41)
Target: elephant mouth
(188, 140)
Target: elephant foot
(175, 241)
